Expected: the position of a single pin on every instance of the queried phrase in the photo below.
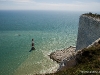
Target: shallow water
(51, 31)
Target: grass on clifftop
(88, 64)
(92, 15)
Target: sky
(67, 5)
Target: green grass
(92, 15)
(88, 62)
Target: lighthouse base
(32, 49)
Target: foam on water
(38, 61)
(31, 66)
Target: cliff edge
(88, 31)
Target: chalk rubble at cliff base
(65, 57)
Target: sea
(51, 31)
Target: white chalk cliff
(88, 31)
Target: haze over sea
(51, 30)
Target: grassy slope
(90, 62)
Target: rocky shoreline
(65, 58)
(68, 57)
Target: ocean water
(51, 30)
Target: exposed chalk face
(88, 31)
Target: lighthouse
(32, 45)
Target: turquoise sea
(51, 30)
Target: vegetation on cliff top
(88, 64)
(92, 15)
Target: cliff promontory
(85, 57)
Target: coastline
(87, 59)
(87, 48)
(69, 57)
(65, 58)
